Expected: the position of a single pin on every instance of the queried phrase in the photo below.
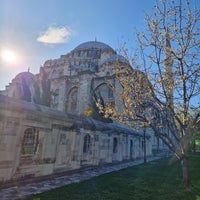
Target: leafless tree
(164, 93)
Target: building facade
(49, 121)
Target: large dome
(95, 45)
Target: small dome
(25, 75)
(94, 45)
(23, 84)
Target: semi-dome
(94, 45)
(26, 76)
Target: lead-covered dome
(94, 45)
(25, 78)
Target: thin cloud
(55, 35)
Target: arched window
(86, 144)
(72, 103)
(30, 141)
(110, 93)
(55, 98)
(105, 92)
(115, 145)
(54, 74)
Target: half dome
(26, 76)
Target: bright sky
(33, 31)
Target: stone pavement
(17, 192)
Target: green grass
(158, 180)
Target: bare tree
(164, 95)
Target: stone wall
(36, 141)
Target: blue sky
(38, 30)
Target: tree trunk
(185, 171)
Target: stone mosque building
(49, 123)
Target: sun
(8, 56)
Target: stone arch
(54, 74)
(72, 100)
(55, 98)
(104, 91)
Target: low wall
(38, 141)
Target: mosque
(49, 123)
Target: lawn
(157, 180)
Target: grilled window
(30, 141)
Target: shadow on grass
(157, 180)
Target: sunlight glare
(8, 56)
